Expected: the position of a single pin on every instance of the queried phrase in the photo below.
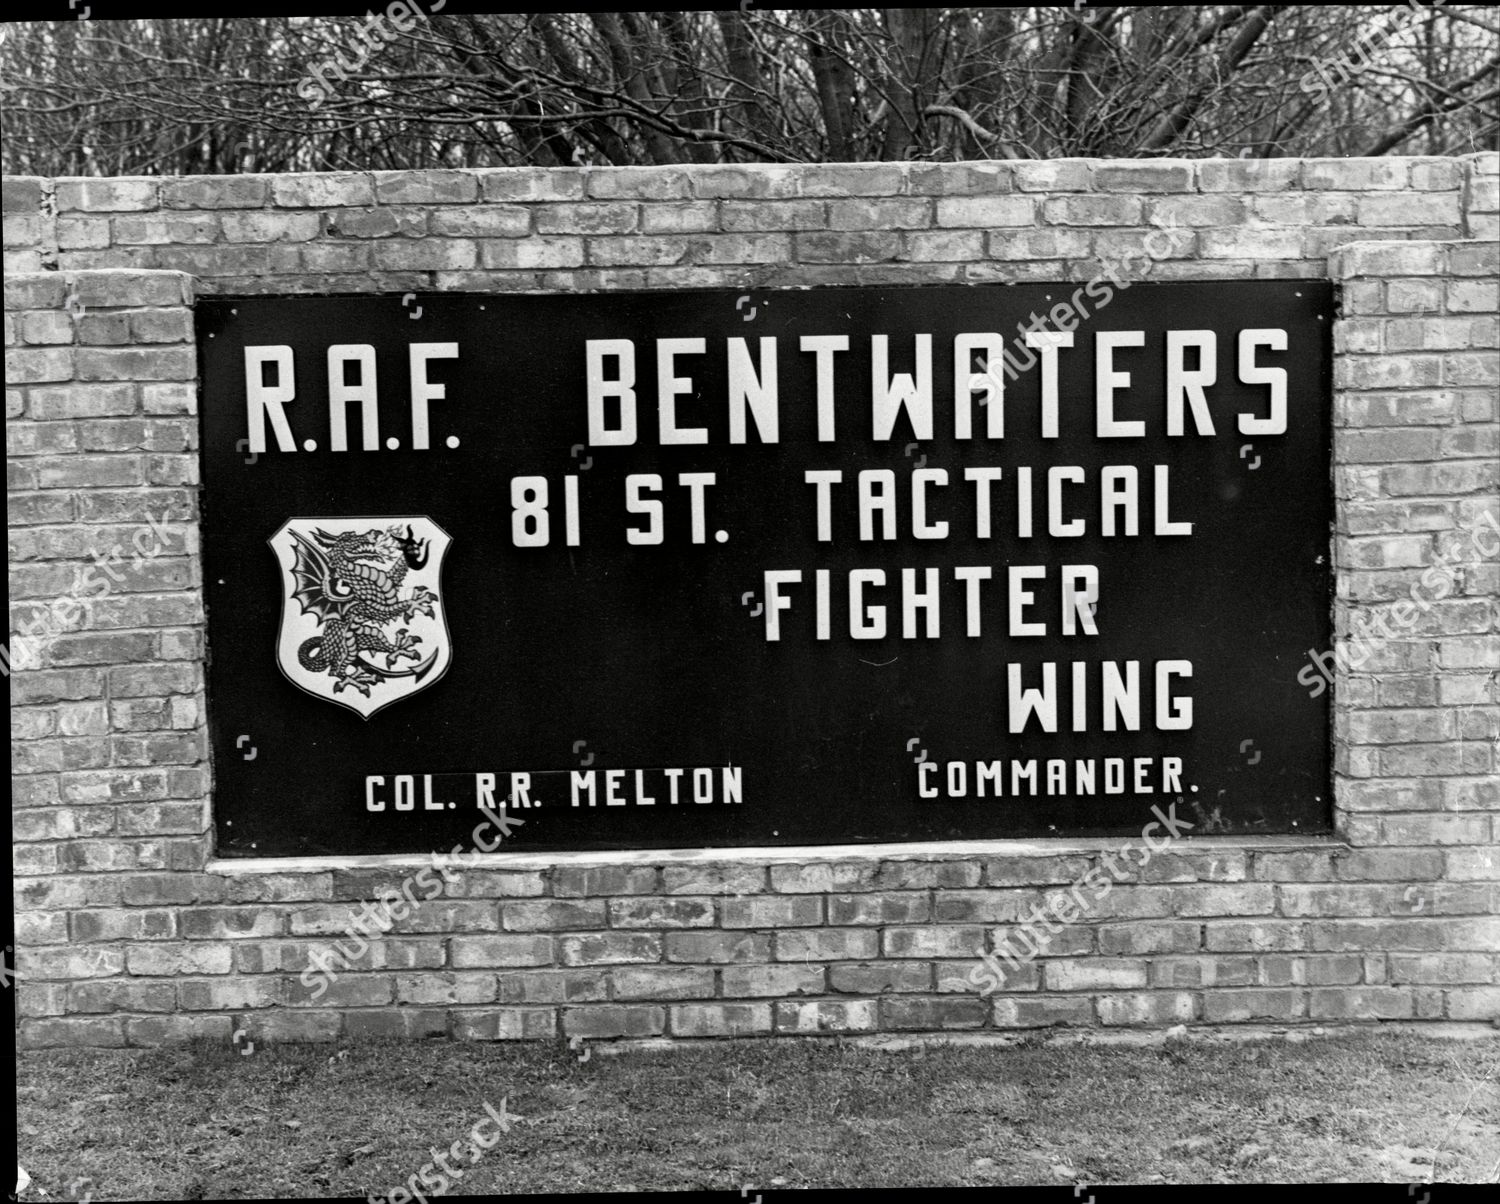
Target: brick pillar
(110, 779)
(1417, 686)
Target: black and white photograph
(752, 600)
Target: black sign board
(704, 569)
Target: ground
(218, 1122)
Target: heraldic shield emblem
(362, 621)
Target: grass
(208, 1122)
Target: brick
(739, 217)
(135, 364)
(660, 913)
(1391, 865)
(904, 907)
(761, 181)
(1154, 1008)
(720, 1019)
(604, 880)
(1245, 900)
(317, 190)
(1473, 260)
(426, 255)
(964, 977)
(406, 1023)
(279, 1025)
(1410, 209)
(100, 1032)
(1256, 937)
(879, 978)
(111, 289)
(880, 213)
(932, 1015)
(953, 246)
(22, 194)
(984, 907)
(219, 923)
(1043, 1011)
(118, 194)
(1092, 211)
(847, 247)
(39, 365)
(1477, 934)
(928, 942)
(429, 187)
(1358, 174)
(713, 880)
(1238, 1007)
(1149, 938)
(772, 911)
(662, 982)
(986, 212)
(476, 952)
(169, 229)
(488, 221)
(1143, 175)
(232, 994)
(924, 875)
(773, 980)
(1314, 866)
(264, 226)
(613, 1021)
(1357, 936)
(1091, 975)
(347, 990)
(823, 877)
(1138, 902)
(534, 183)
(1223, 866)
(1032, 244)
(693, 217)
(654, 183)
(1434, 829)
(1444, 968)
(488, 884)
(40, 999)
(606, 218)
(742, 249)
(176, 959)
(215, 192)
(1035, 871)
(33, 291)
(826, 1016)
(1474, 1003)
(1360, 1003)
(1251, 242)
(431, 988)
(42, 928)
(545, 914)
(827, 944)
(1339, 970)
(602, 948)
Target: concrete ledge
(1200, 1034)
(934, 851)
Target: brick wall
(130, 933)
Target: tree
(223, 95)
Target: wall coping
(903, 851)
(662, 170)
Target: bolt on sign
(712, 569)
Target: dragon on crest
(351, 584)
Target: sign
(672, 570)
